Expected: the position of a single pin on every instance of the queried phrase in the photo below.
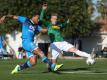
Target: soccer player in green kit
(53, 32)
(57, 42)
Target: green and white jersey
(54, 31)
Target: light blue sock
(53, 66)
(45, 59)
(29, 64)
(25, 65)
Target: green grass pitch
(73, 69)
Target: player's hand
(2, 19)
(68, 21)
(45, 5)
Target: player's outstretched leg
(43, 57)
(27, 64)
(89, 57)
(55, 53)
(21, 67)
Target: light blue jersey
(28, 32)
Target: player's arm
(43, 30)
(64, 24)
(2, 19)
(19, 18)
(44, 7)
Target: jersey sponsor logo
(56, 27)
(31, 28)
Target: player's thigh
(65, 46)
(29, 46)
(29, 54)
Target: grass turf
(73, 69)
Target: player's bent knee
(37, 51)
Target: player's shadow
(80, 69)
(72, 69)
(56, 72)
(76, 69)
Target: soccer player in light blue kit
(29, 28)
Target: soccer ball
(90, 61)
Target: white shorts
(58, 47)
(64, 46)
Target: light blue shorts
(29, 46)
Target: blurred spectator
(104, 52)
(13, 43)
(22, 53)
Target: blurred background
(87, 29)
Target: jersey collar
(32, 22)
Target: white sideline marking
(82, 72)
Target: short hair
(54, 14)
(34, 14)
